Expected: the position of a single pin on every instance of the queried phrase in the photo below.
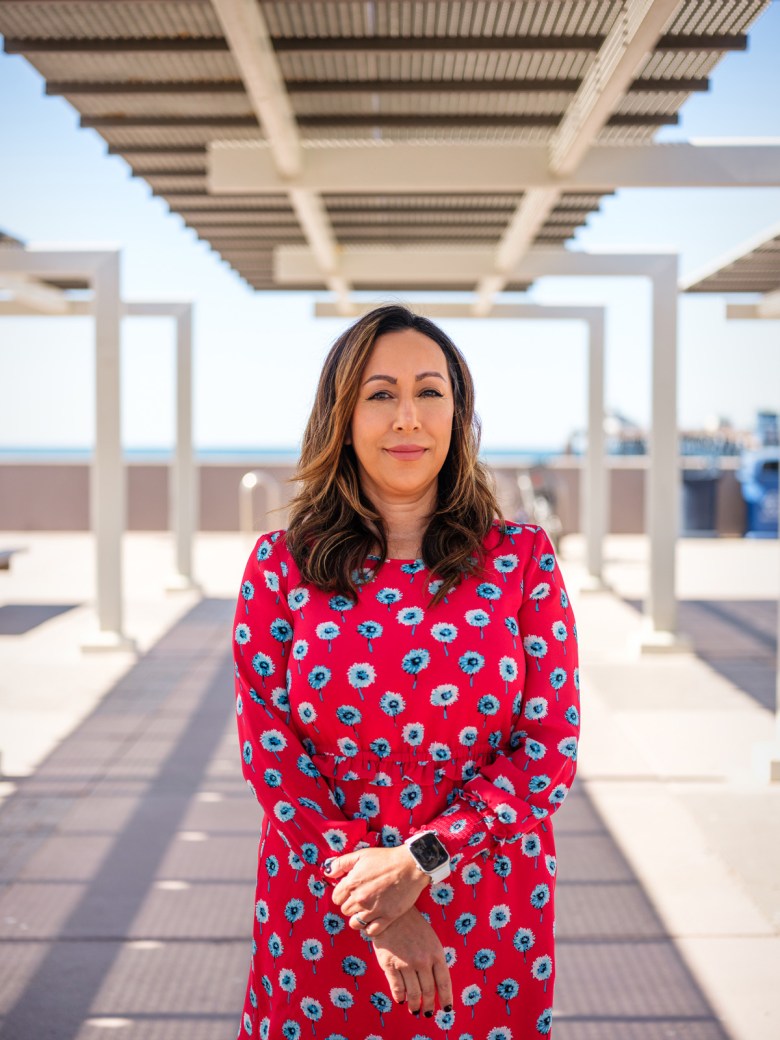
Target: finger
(376, 925)
(355, 924)
(396, 982)
(342, 893)
(443, 982)
(413, 992)
(335, 866)
(428, 990)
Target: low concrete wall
(42, 496)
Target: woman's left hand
(378, 884)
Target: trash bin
(699, 501)
(759, 478)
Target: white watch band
(441, 872)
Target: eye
(431, 391)
(380, 395)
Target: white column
(183, 496)
(108, 477)
(594, 473)
(663, 474)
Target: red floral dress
(364, 720)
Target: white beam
(41, 298)
(633, 36)
(767, 309)
(509, 311)
(630, 41)
(526, 222)
(394, 267)
(404, 267)
(252, 49)
(742, 311)
(240, 167)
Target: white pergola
(384, 147)
(753, 267)
(31, 275)
(594, 474)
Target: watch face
(429, 852)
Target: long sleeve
(507, 800)
(277, 763)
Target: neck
(405, 521)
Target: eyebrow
(417, 378)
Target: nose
(406, 417)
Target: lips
(406, 452)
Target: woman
(407, 705)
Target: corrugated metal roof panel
(413, 218)
(434, 103)
(158, 162)
(432, 202)
(515, 135)
(685, 64)
(695, 16)
(756, 271)
(191, 202)
(488, 18)
(626, 135)
(483, 31)
(174, 136)
(100, 67)
(651, 104)
(161, 185)
(70, 21)
(441, 65)
(184, 105)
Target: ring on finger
(361, 922)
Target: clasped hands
(381, 886)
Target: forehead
(406, 351)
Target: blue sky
(257, 356)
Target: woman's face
(402, 423)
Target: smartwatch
(430, 855)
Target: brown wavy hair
(333, 526)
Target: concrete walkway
(128, 840)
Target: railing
(273, 500)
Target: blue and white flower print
(444, 633)
(478, 619)
(328, 631)
(505, 564)
(370, 630)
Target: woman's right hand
(412, 957)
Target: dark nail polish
(327, 865)
(402, 1001)
(448, 1007)
(428, 1014)
(416, 1014)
